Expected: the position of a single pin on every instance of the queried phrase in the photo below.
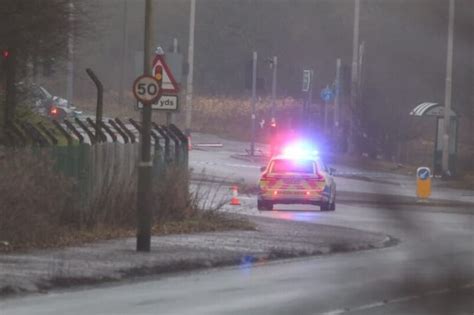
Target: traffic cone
(235, 199)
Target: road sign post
(338, 94)
(307, 88)
(326, 95)
(144, 194)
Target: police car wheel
(325, 206)
(332, 205)
(264, 205)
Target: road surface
(430, 271)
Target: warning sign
(163, 74)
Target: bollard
(423, 183)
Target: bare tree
(35, 33)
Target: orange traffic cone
(235, 199)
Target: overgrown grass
(40, 208)
(36, 202)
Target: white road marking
(403, 299)
(395, 300)
(436, 292)
(335, 312)
(368, 306)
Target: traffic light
(5, 53)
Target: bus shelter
(436, 110)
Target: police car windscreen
(293, 166)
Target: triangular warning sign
(163, 74)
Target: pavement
(42, 270)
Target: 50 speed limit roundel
(146, 89)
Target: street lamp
(273, 63)
(448, 90)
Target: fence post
(184, 144)
(99, 108)
(167, 141)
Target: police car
(297, 177)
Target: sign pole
(310, 96)
(336, 99)
(326, 95)
(144, 210)
(274, 83)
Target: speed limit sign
(146, 89)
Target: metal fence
(95, 159)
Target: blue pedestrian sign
(327, 94)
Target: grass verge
(39, 207)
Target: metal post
(99, 108)
(70, 61)
(124, 53)
(254, 100)
(359, 69)
(336, 98)
(144, 209)
(354, 76)
(10, 91)
(309, 101)
(274, 83)
(189, 85)
(448, 89)
(169, 114)
(326, 110)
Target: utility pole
(70, 61)
(254, 100)
(326, 111)
(144, 206)
(274, 64)
(448, 89)
(338, 90)
(189, 85)
(354, 77)
(359, 69)
(309, 100)
(124, 53)
(169, 114)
